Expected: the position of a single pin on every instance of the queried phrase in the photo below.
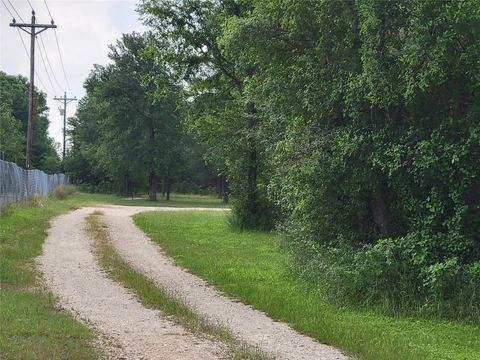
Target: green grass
(176, 200)
(31, 327)
(253, 268)
(154, 297)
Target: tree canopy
(351, 127)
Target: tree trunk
(220, 186)
(224, 190)
(168, 189)
(379, 210)
(126, 185)
(163, 187)
(152, 186)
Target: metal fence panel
(17, 184)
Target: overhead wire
(28, 56)
(49, 63)
(45, 66)
(15, 10)
(6, 7)
(49, 13)
(61, 62)
(59, 51)
(29, 3)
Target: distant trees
(123, 134)
(13, 125)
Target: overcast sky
(85, 29)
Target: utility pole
(33, 33)
(65, 101)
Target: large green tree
(218, 110)
(121, 129)
(361, 120)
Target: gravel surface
(73, 275)
(247, 324)
(127, 329)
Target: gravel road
(135, 332)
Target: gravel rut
(73, 275)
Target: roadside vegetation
(32, 326)
(350, 127)
(157, 298)
(253, 267)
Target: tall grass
(252, 267)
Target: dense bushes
(351, 125)
(378, 175)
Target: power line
(6, 7)
(29, 3)
(45, 66)
(49, 63)
(49, 13)
(28, 56)
(61, 62)
(15, 10)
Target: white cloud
(85, 29)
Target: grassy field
(251, 267)
(31, 327)
(176, 200)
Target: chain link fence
(17, 184)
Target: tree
(130, 135)
(217, 107)
(14, 103)
(11, 139)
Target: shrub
(63, 191)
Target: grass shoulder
(32, 326)
(252, 267)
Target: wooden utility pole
(33, 33)
(65, 101)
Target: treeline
(350, 126)
(13, 125)
(127, 136)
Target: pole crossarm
(24, 25)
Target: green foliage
(358, 121)
(251, 267)
(216, 107)
(121, 133)
(13, 125)
(11, 146)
